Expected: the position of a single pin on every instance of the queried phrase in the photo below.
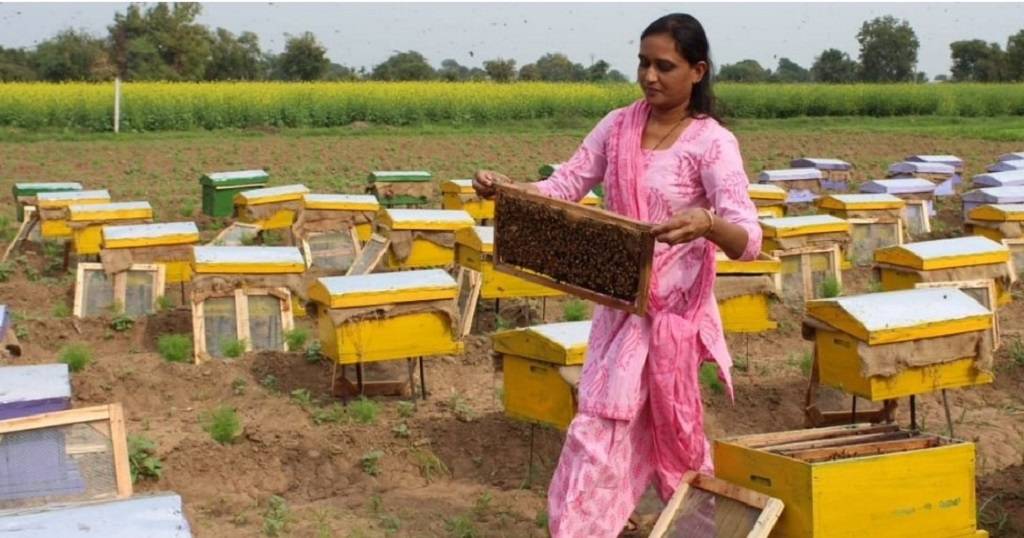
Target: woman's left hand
(684, 227)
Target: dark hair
(692, 44)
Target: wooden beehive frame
(370, 255)
(898, 223)
(805, 266)
(241, 297)
(989, 285)
(838, 442)
(770, 507)
(925, 206)
(308, 254)
(637, 306)
(120, 283)
(474, 281)
(108, 420)
(217, 241)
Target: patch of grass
(429, 464)
(541, 520)
(804, 362)
(61, 310)
(1016, 351)
(460, 408)
(273, 238)
(270, 382)
(370, 462)
(482, 504)
(709, 378)
(334, 414)
(302, 397)
(238, 386)
(21, 332)
(574, 310)
(312, 352)
(223, 425)
(163, 303)
(232, 349)
(142, 458)
(275, 519)
(6, 270)
(6, 232)
(460, 527)
(174, 347)
(830, 287)
(364, 410)
(186, 209)
(406, 409)
(296, 338)
(503, 324)
(401, 430)
(76, 356)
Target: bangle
(711, 222)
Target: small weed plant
(76, 356)
(142, 458)
(223, 425)
(174, 347)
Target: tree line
(164, 42)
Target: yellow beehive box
(811, 251)
(53, 210)
(744, 291)
(534, 390)
(876, 221)
(459, 194)
(87, 221)
(387, 316)
(271, 208)
(769, 199)
(944, 260)
(247, 260)
(474, 249)
(591, 199)
(422, 238)
(166, 243)
(881, 346)
(361, 204)
(997, 221)
(858, 480)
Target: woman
(664, 160)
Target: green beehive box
(220, 188)
(401, 188)
(30, 190)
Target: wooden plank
(79, 290)
(242, 318)
(884, 435)
(198, 332)
(119, 443)
(661, 527)
(23, 232)
(815, 455)
(56, 418)
(120, 291)
(370, 255)
(764, 440)
(467, 311)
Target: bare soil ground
(452, 465)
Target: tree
(616, 76)
(888, 50)
(598, 71)
(790, 71)
(500, 70)
(235, 58)
(977, 61)
(16, 65)
(529, 72)
(451, 71)
(338, 72)
(744, 71)
(72, 55)
(556, 67)
(1015, 57)
(409, 65)
(941, 78)
(834, 66)
(304, 58)
(163, 43)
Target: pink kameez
(640, 415)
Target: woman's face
(666, 78)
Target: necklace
(670, 131)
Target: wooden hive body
(769, 199)
(744, 291)
(162, 243)
(26, 192)
(876, 221)
(421, 238)
(87, 221)
(811, 249)
(220, 188)
(53, 209)
(969, 258)
(459, 194)
(270, 208)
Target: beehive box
(168, 244)
(1006, 166)
(459, 194)
(134, 290)
(769, 199)
(944, 176)
(810, 249)
(87, 221)
(25, 193)
(332, 227)
(53, 210)
(918, 195)
(359, 207)
(30, 390)
(474, 249)
(992, 195)
(387, 316)
(1010, 178)
(744, 291)
(997, 221)
(534, 390)
(858, 480)
(220, 188)
(876, 221)
(157, 515)
(944, 260)
(950, 160)
(272, 208)
(802, 185)
(882, 346)
(401, 187)
(421, 237)
(837, 172)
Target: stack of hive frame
(837, 173)
(25, 193)
(401, 188)
(992, 195)
(272, 208)
(153, 516)
(243, 294)
(331, 228)
(474, 249)
(35, 389)
(421, 238)
(87, 222)
(168, 244)
(810, 249)
(944, 176)
(220, 188)
(858, 480)
(1009, 178)
(459, 194)
(133, 292)
(918, 194)
(53, 210)
(744, 291)
(802, 185)
(1006, 166)
(769, 199)
(534, 390)
(876, 221)
(946, 260)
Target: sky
(365, 34)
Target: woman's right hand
(484, 180)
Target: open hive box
(157, 515)
(876, 221)
(950, 160)
(769, 199)
(1009, 178)
(534, 390)
(474, 249)
(64, 456)
(744, 291)
(459, 194)
(25, 193)
(421, 238)
(243, 295)
(944, 176)
(858, 480)
(53, 210)
(810, 249)
(332, 227)
(220, 188)
(882, 346)
(1006, 166)
(166, 243)
(35, 389)
(387, 316)
(946, 260)
(802, 185)
(837, 172)
(992, 195)
(401, 187)
(87, 221)
(272, 208)
(916, 193)
(580, 250)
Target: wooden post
(117, 104)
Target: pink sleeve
(725, 185)
(574, 179)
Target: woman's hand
(484, 180)
(684, 226)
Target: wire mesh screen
(139, 291)
(220, 324)
(703, 514)
(869, 237)
(792, 278)
(916, 218)
(822, 270)
(1017, 252)
(98, 294)
(265, 322)
(332, 251)
(58, 464)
